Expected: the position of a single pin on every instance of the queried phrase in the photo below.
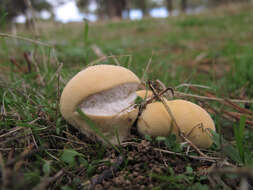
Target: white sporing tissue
(114, 101)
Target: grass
(40, 149)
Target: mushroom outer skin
(194, 122)
(92, 80)
(144, 94)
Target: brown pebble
(99, 187)
(140, 178)
(157, 170)
(119, 180)
(135, 174)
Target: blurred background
(95, 10)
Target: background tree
(106, 8)
(12, 8)
(143, 5)
(184, 5)
(169, 6)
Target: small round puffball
(191, 120)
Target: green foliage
(3, 16)
(69, 156)
(170, 142)
(85, 31)
(138, 100)
(46, 168)
(239, 137)
(179, 181)
(227, 148)
(241, 71)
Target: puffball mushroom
(106, 95)
(192, 120)
(144, 93)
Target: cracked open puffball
(106, 94)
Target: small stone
(157, 170)
(99, 187)
(135, 174)
(119, 180)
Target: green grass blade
(86, 31)
(239, 137)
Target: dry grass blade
(147, 68)
(116, 61)
(5, 35)
(15, 129)
(14, 62)
(48, 180)
(33, 17)
(105, 58)
(226, 101)
(238, 108)
(68, 140)
(99, 53)
(201, 158)
(237, 118)
(192, 85)
(26, 153)
(242, 172)
(181, 94)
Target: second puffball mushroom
(191, 120)
(106, 94)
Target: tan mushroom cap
(99, 85)
(194, 122)
(144, 93)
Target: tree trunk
(144, 8)
(169, 6)
(115, 8)
(183, 5)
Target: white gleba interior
(111, 102)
